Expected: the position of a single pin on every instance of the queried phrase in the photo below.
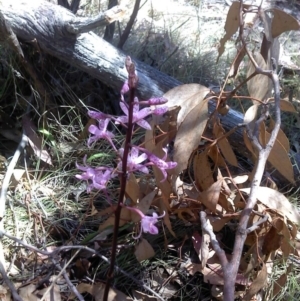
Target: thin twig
(10, 285)
(207, 228)
(129, 25)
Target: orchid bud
(160, 111)
(156, 101)
(125, 88)
(98, 115)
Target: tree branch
(80, 25)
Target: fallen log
(61, 34)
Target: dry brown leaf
(259, 282)
(259, 86)
(231, 25)
(143, 205)
(182, 212)
(35, 141)
(240, 179)
(286, 245)
(279, 284)
(283, 22)
(97, 291)
(189, 135)
(210, 197)
(124, 218)
(5, 294)
(280, 159)
(281, 137)
(270, 46)
(132, 188)
(248, 143)
(31, 293)
(202, 171)
(143, 250)
(213, 273)
(287, 106)
(85, 132)
(191, 120)
(218, 223)
(224, 145)
(237, 61)
(18, 174)
(214, 153)
(187, 97)
(272, 241)
(276, 200)
(162, 204)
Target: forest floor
(48, 208)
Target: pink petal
(93, 129)
(122, 119)
(124, 107)
(142, 113)
(160, 111)
(144, 124)
(171, 164)
(91, 140)
(164, 174)
(125, 87)
(97, 115)
(83, 168)
(157, 101)
(144, 169)
(103, 124)
(136, 105)
(141, 158)
(134, 153)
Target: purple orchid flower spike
(161, 163)
(98, 176)
(101, 132)
(138, 115)
(147, 222)
(133, 161)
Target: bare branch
(80, 25)
(207, 228)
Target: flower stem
(123, 180)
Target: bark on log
(53, 28)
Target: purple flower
(96, 177)
(138, 115)
(133, 161)
(160, 111)
(98, 115)
(161, 163)
(125, 88)
(101, 132)
(155, 101)
(147, 222)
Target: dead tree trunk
(61, 34)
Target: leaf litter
(207, 167)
